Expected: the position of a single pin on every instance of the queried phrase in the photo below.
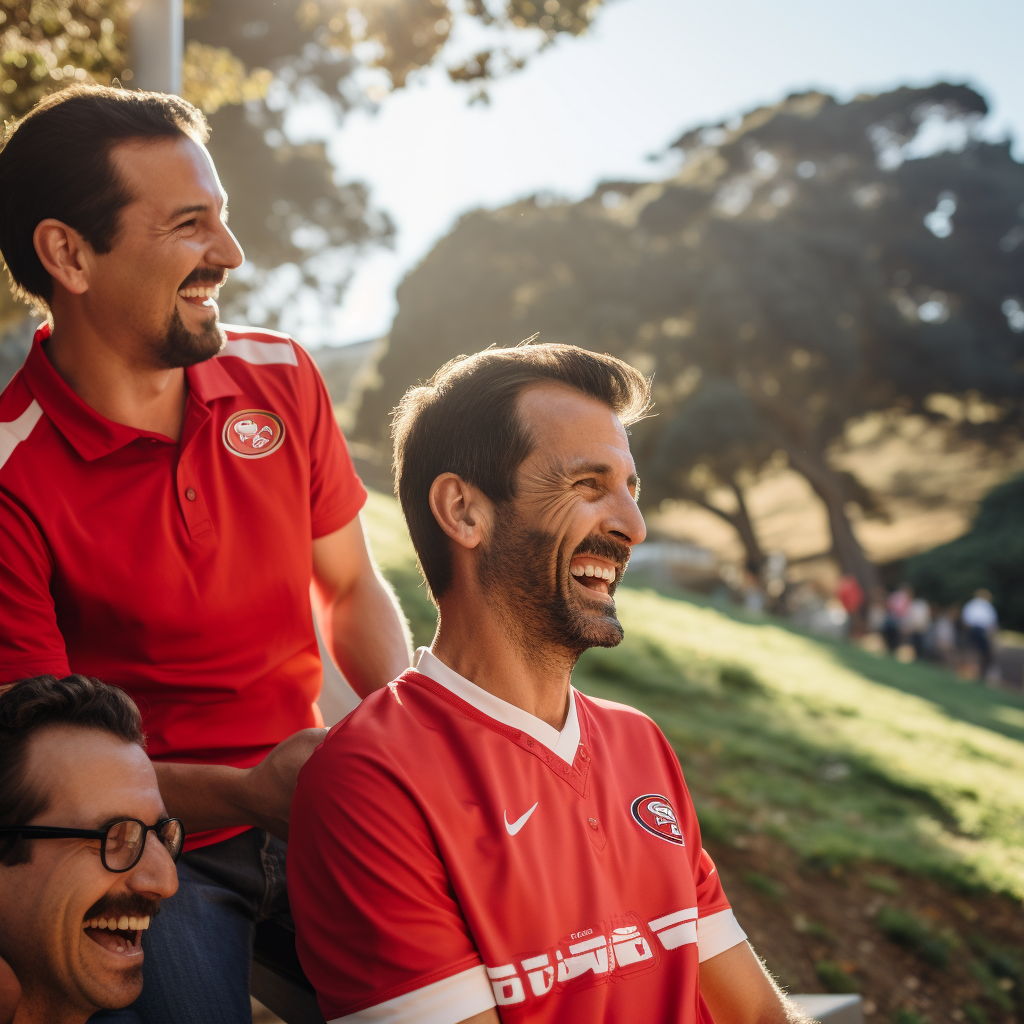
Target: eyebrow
(599, 469)
(182, 210)
(199, 208)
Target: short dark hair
(464, 420)
(55, 162)
(32, 704)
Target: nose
(155, 874)
(626, 523)
(225, 250)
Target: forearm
(738, 990)
(204, 796)
(367, 635)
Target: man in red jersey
(168, 490)
(479, 841)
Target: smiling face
(559, 548)
(172, 252)
(52, 906)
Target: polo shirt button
(592, 822)
(190, 494)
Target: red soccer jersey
(443, 860)
(178, 571)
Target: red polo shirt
(179, 571)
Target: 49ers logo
(253, 433)
(655, 814)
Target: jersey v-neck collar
(564, 744)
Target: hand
(268, 787)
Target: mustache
(123, 904)
(204, 275)
(605, 547)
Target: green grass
(845, 755)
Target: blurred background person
(896, 606)
(916, 622)
(982, 624)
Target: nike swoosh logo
(512, 827)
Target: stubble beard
(543, 615)
(180, 347)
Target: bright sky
(597, 107)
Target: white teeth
(133, 923)
(199, 293)
(593, 570)
(144, 923)
(112, 924)
(122, 922)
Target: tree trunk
(796, 437)
(846, 548)
(739, 520)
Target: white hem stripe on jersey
(717, 933)
(448, 1001)
(14, 432)
(261, 353)
(562, 743)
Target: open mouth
(202, 296)
(121, 936)
(593, 574)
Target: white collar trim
(562, 743)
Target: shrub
(911, 932)
(834, 978)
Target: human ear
(64, 254)
(461, 509)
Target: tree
(990, 555)
(809, 264)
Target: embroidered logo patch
(253, 433)
(655, 814)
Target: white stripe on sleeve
(263, 353)
(14, 432)
(447, 1001)
(717, 933)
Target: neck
(105, 370)
(476, 641)
(33, 1010)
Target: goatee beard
(541, 613)
(180, 347)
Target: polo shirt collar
(562, 743)
(89, 433)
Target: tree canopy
(247, 64)
(809, 263)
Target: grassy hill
(867, 816)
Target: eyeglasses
(121, 844)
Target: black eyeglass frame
(56, 832)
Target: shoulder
(619, 714)
(387, 728)
(259, 347)
(621, 726)
(271, 364)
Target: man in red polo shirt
(168, 491)
(479, 841)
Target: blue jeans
(199, 947)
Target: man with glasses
(87, 852)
